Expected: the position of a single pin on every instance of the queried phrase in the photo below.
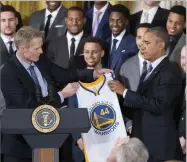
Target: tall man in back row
(155, 100)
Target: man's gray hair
(132, 151)
(160, 33)
(25, 35)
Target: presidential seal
(45, 118)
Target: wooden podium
(45, 146)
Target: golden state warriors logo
(103, 118)
(45, 118)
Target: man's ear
(66, 19)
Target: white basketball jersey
(105, 116)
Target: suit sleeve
(162, 98)
(64, 76)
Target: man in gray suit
(50, 20)
(132, 69)
(175, 25)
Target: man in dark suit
(176, 23)
(122, 44)
(155, 100)
(18, 15)
(29, 80)
(8, 30)
(50, 20)
(152, 13)
(62, 50)
(97, 20)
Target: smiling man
(8, 30)
(122, 45)
(50, 20)
(175, 25)
(63, 50)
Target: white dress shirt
(154, 65)
(6, 40)
(151, 13)
(119, 38)
(101, 10)
(77, 40)
(53, 14)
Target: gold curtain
(26, 8)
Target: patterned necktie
(33, 75)
(148, 72)
(113, 51)
(72, 47)
(144, 69)
(47, 25)
(96, 23)
(10, 50)
(146, 17)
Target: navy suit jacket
(103, 31)
(126, 49)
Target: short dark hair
(178, 9)
(8, 8)
(143, 25)
(75, 8)
(94, 40)
(160, 33)
(122, 9)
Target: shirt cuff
(124, 93)
(61, 96)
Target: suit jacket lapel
(42, 20)
(4, 52)
(146, 83)
(119, 52)
(136, 69)
(82, 40)
(156, 17)
(103, 21)
(23, 75)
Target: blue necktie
(148, 72)
(33, 75)
(113, 51)
(11, 51)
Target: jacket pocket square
(59, 26)
(123, 51)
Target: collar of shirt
(119, 38)
(6, 40)
(151, 13)
(101, 10)
(54, 14)
(157, 62)
(77, 38)
(25, 64)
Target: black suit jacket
(4, 53)
(154, 104)
(58, 52)
(19, 92)
(159, 19)
(58, 28)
